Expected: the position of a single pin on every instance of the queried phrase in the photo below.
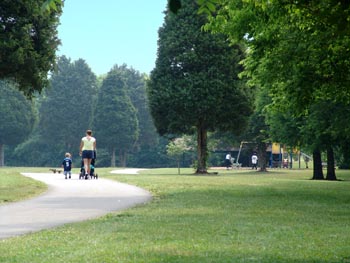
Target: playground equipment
(237, 164)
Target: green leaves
(51, 5)
(18, 115)
(115, 119)
(28, 43)
(207, 6)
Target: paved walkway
(68, 201)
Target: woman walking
(87, 151)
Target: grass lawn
(236, 216)
(15, 187)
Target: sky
(109, 32)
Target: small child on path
(67, 165)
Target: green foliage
(298, 51)
(197, 75)
(135, 83)
(17, 115)
(115, 119)
(67, 107)
(28, 43)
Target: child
(67, 165)
(254, 161)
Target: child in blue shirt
(67, 165)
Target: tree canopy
(298, 52)
(28, 43)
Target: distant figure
(87, 151)
(228, 163)
(67, 165)
(254, 161)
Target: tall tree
(115, 119)
(67, 107)
(195, 86)
(17, 117)
(28, 43)
(136, 89)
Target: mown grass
(236, 216)
(15, 187)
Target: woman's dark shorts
(88, 154)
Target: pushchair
(93, 175)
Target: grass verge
(15, 187)
(237, 216)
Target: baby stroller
(93, 175)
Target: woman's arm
(81, 147)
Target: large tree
(28, 43)
(195, 85)
(115, 119)
(17, 117)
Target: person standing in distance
(254, 161)
(87, 150)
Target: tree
(17, 117)
(177, 147)
(28, 43)
(67, 107)
(136, 89)
(115, 119)
(195, 86)
(298, 51)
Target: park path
(68, 201)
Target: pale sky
(109, 32)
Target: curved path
(67, 201)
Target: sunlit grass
(15, 187)
(235, 216)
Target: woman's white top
(88, 143)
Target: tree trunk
(330, 164)
(122, 158)
(113, 157)
(262, 156)
(2, 155)
(202, 153)
(318, 172)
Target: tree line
(267, 71)
(294, 59)
(114, 106)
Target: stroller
(92, 174)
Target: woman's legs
(89, 166)
(87, 163)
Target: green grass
(237, 216)
(14, 187)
